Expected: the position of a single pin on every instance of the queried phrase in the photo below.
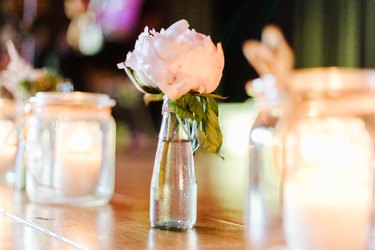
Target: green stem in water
(163, 161)
(167, 138)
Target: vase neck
(173, 128)
(166, 106)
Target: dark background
(321, 32)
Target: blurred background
(83, 40)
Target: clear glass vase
(263, 214)
(173, 198)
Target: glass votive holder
(328, 191)
(8, 139)
(70, 149)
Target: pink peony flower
(177, 60)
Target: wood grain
(124, 222)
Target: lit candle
(78, 158)
(7, 145)
(327, 197)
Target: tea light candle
(78, 158)
(327, 198)
(8, 146)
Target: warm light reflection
(328, 187)
(335, 146)
(7, 144)
(235, 121)
(78, 157)
(184, 240)
(228, 177)
(334, 79)
(256, 220)
(262, 136)
(80, 140)
(41, 219)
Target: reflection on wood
(124, 222)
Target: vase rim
(76, 97)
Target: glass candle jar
(8, 139)
(328, 159)
(70, 149)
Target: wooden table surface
(124, 222)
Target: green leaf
(212, 104)
(212, 95)
(180, 108)
(213, 133)
(195, 106)
(203, 110)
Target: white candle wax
(326, 216)
(328, 187)
(78, 158)
(8, 146)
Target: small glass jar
(70, 149)
(8, 139)
(328, 159)
(263, 213)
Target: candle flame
(80, 138)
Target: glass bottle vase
(264, 202)
(173, 197)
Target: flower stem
(166, 138)
(163, 161)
